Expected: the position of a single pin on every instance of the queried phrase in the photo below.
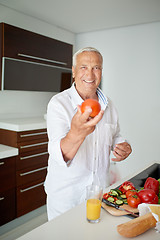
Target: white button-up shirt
(66, 182)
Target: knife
(119, 208)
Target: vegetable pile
(127, 193)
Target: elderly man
(74, 136)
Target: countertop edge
(6, 151)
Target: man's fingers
(117, 158)
(124, 147)
(96, 119)
(86, 114)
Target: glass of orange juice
(93, 206)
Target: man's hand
(81, 126)
(121, 151)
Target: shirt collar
(102, 99)
(77, 100)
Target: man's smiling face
(87, 73)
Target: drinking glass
(93, 206)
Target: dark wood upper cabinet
(19, 42)
(19, 48)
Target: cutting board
(117, 212)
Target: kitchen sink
(152, 171)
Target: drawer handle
(33, 171)
(1, 163)
(33, 145)
(1, 198)
(29, 188)
(42, 59)
(32, 134)
(34, 155)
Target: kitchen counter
(73, 225)
(23, 124)
(6, 151)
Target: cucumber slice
(113, 193)
(118, 191)
(110, 199)
(119, 202)
(123, 196)
(120, 198)
(125, 201)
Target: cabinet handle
(29, 188)
(32, 134)
(33, 145)
(42, 59)
(1, 198)
(33, 171)
(34, 155)
(1, 163)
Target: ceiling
(79, 16)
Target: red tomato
(93, 104)
(130, 193)
(133, 201)
(148, 196)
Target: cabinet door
(1, 52)
(23, 44)
(7, 206)
(7, 173)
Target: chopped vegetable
(118, 191)
(115, 196)
(123, 196)
(111, 199)
(152, 183)
(126, 186)
(119, 202)
(113, 193)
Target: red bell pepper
(126, 186)
(152, 183)
(148, 196)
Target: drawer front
(26, 136)
(34, 145)
(31, 159)
(28, 176)
(7, 173)
(30, 198)
(7, 206)
(14, 139)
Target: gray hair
(86, 49)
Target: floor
(24, 224)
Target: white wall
(19, 103)
(131, 78)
